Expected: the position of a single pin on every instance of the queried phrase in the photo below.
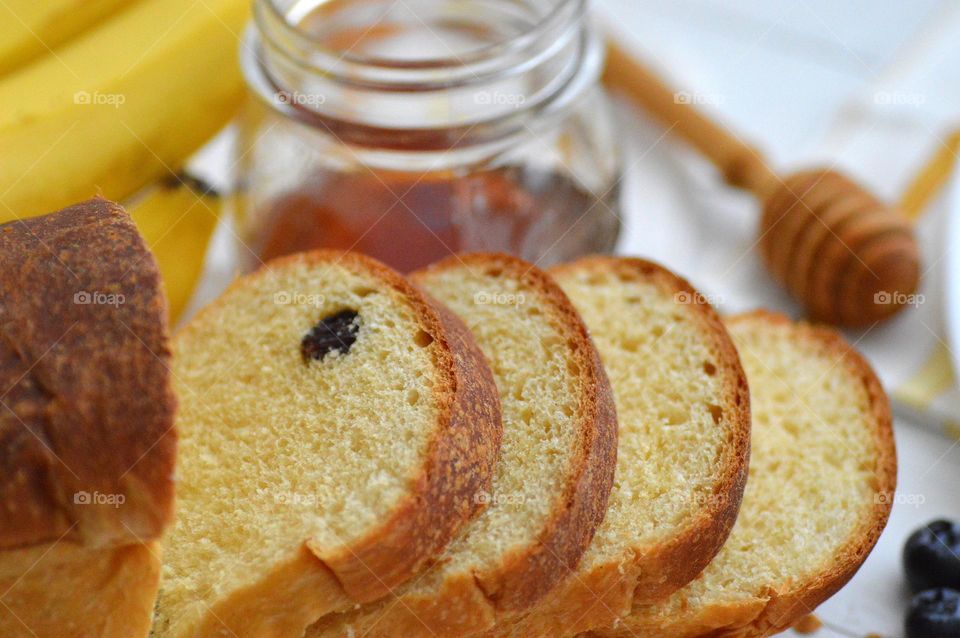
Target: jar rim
(563, 12)
(550, 64)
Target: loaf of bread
(65, 590)
(683, 409)
(822, 477)
(338, 428)
(556, 467)
(86, 425)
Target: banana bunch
(177, 217)
(108, 97)
(29, 29)
(117, 106)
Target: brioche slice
(556, 466)
(87, 444)
(337, 427)
(822, 477)
(683, 408)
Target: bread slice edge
(462, 454)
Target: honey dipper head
(849, 258)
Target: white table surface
(779, 70)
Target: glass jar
(411, 130)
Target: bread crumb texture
(278, 448)
(820, 460)
(667, 391)
(812, 471)
(526, 344)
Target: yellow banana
(177, 218)
(119, 105)
(31, 28)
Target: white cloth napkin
(681, 214)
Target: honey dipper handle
(741, 165)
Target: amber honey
(410, 131)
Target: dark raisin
(334, 332)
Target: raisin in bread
(822, 477)
(556, 467)
(683, 408)
(337, 426)
(87, 443)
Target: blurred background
(867, 87)
(208, 132)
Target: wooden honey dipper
(848, 257)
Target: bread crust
(650, 573)
(465, 603)
(87, 442)
(525, 577)
(84, 348)
(777, 609)
(62, 590)
(460, 463)
(784, 608)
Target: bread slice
(822, 478)
(337, 426)
(556, 466)
(683, 408)
(87, 444)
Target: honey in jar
(413, 130)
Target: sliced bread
(683, 409)
(87, 443)
(556, 467)
(337, 427)
(822, 477)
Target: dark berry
(931, 557)
(934, 613)
(335, 332)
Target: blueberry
(934, 613)
(931, 557)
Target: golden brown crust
(778, 607)
(678, 562)
(460, 463)
(787, 606)
(472, 602)
(296, 592)
(650, 573)
(524, 577)
(461, 459)
(62, 590)
(87, 421)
